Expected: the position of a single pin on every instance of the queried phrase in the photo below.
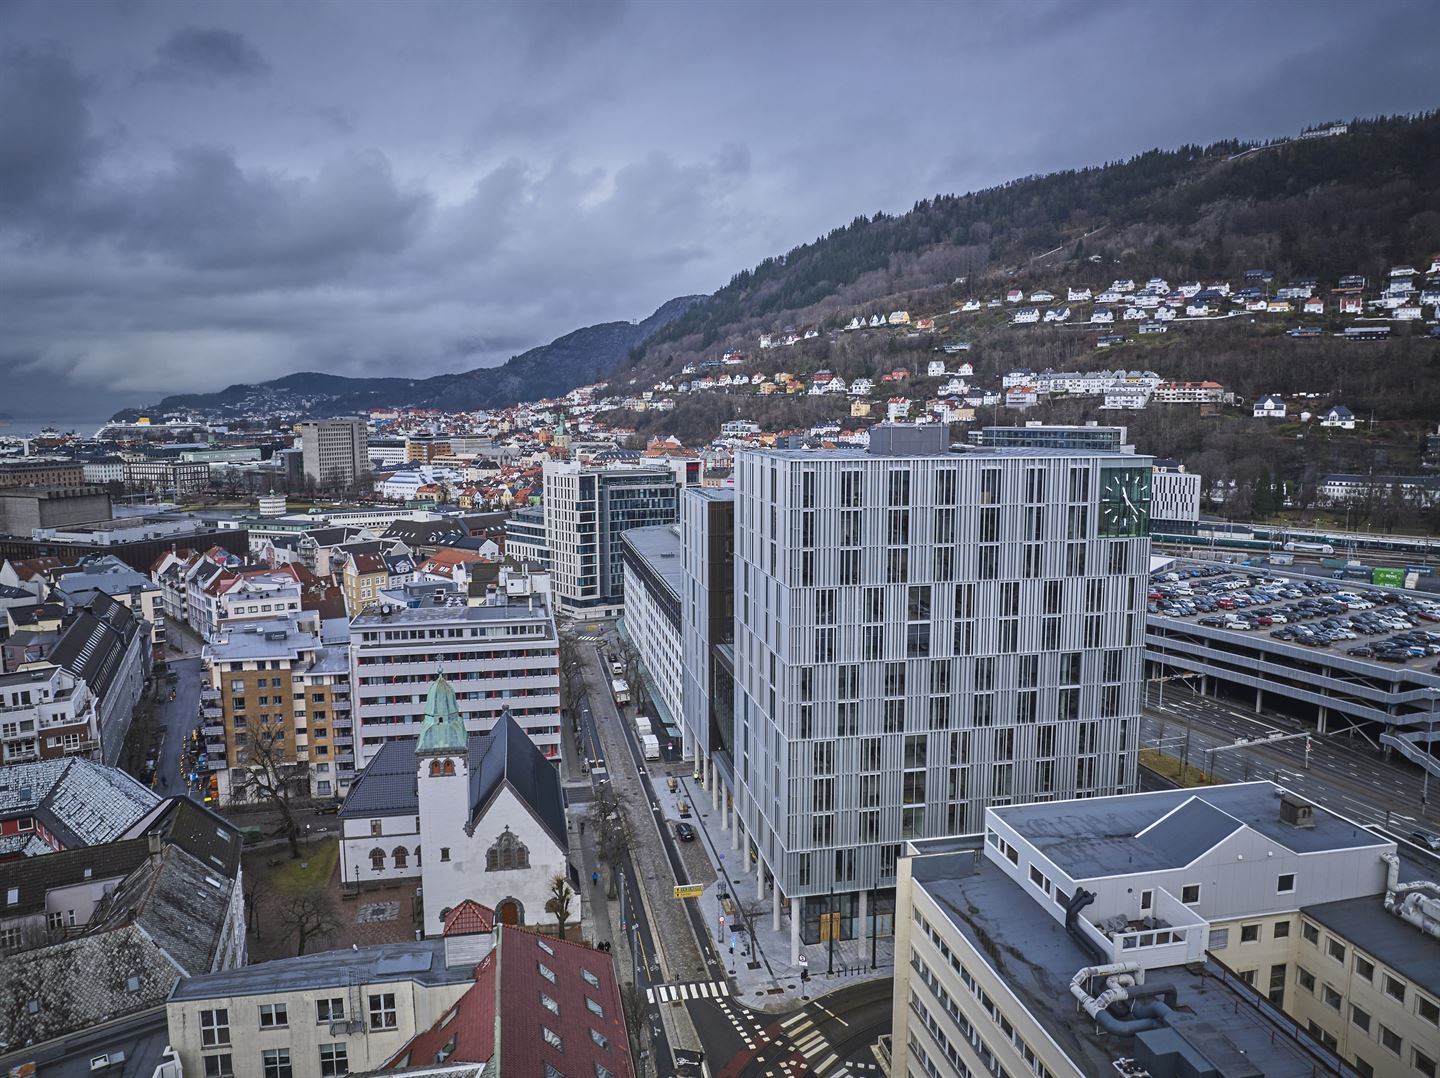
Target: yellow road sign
(689, 890)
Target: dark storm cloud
(197, 53)
(406, 189)
(45, 143)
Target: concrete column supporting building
(795, 904)
(725, 816)
(1259, 698)
(774, 909)
(759, 879)
(860, 932)
(735, 830)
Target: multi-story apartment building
(707, 628)
(525, 536)
(503, 654)
(277, 691)
(363, 577)
(587, 508)
(654, 577)
(1065, 940)
(46, 712)
(41, 472)
(176, 476)
(334, 451)
(919, 634)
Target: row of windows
(215, 1023)
(1365, 969)
(276, 1062)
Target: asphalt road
(1344, 773)
(830, 1036)
(178, 718)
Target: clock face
(1125, 503)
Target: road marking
(794, 1019)
(832, 1014)
(814, 1042)
(826, 1063)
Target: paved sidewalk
(764, 979)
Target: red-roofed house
(539, 1006)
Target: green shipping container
(1390, 578)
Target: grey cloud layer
(431, 186)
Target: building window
(273, 1016)
(334, 1060)
(1360, 1019)
(1304, 978)
(400, 854)
(219, 1066)
(1390, 1040)
(590, 978)
(214, 1028)
(594, 1007)
(276, 1062)
(1190, 894)
(1335, 949)
(552, 1038)
(1285, 883)
(1424, 1064)
(1364, 968)
(382, 1010)
(444, 853)
(377, 859)
(1394, 988)
(330, 1010)
(377, 827)
(1282, 930)
(1249, 933)
(1331, 997)
(507, 854)
(1310, 933)
(1427, 1009)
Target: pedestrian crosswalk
(591, 638)
(821, 1060)
(675, 993)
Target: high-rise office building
(587, 508)
(920, 634)
(707, 625)
(334, 451)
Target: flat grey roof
(422, 962)
(1105, 836)
(659, 548)
(1384, 936)
(517, 611)
(957, 452)
(1036, 958)
(240, 642)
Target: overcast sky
(195, 194)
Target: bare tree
(612, 829)
(637, 1021)
(257, 895)
(558, 903)
(271, 777)
(572, 677)
(629, 658)
(308, 916)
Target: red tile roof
(504, 1016)
(469, 917)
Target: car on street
(1426, 838)
(684, 832)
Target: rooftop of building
(500, 611)
(1383, 936)
(422, 962)
(1034, 956)
(80, 802)
(660, 549)
(1094, 837)
(263, 638)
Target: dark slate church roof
(387, 786)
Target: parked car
(684, 832)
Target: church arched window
(401, 856)
(377, 859)
(442, 767)
(507, 853)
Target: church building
(479, 817)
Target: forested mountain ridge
(1323, 207)
(580, 357)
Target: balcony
(215, 764)
(209, 693)
(215, 748)
(214, 731)
(345, 742)
(212, 712)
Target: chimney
(153, 843)
(1296, 812)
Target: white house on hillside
(1269, 407)
(1338, 416)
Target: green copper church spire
(444, 730)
